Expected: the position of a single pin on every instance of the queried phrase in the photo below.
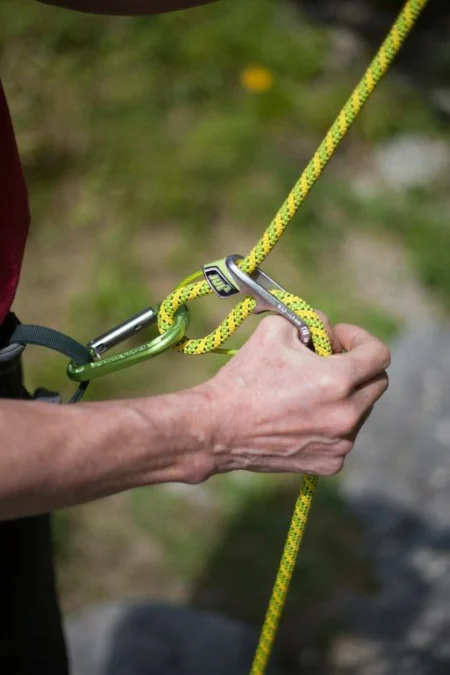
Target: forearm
(56, 456)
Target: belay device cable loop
(212, 342)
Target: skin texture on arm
(54, 456)
(275, 406)
(126, 7)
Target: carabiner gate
(111, 364)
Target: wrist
(180, 424)
(224, 413)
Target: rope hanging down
(190, 290)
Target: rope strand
(212, 342)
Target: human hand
(278, 407)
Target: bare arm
(55, 456)
(126, 7)
(276, 406)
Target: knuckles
(385, 356)
(331, 467)
(347, 421)
(385, 382)
(341, 420)
(270, 327)
(333, 385)
(345, 446)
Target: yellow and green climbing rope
(192, 290)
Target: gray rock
(152, 639)
(410, 160)
(398, 482)
(440, 99)
(89, 637)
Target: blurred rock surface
(403, 162)
(398, 482)
(154, 639)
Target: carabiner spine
(111, 364)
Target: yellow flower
(256, 79)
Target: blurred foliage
(420, 219)
(150, 146)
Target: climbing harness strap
(51, 339)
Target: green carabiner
(111, 364)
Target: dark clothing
(31, 638)
(14, 213)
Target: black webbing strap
(56, 341)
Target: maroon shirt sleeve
(14, 211)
